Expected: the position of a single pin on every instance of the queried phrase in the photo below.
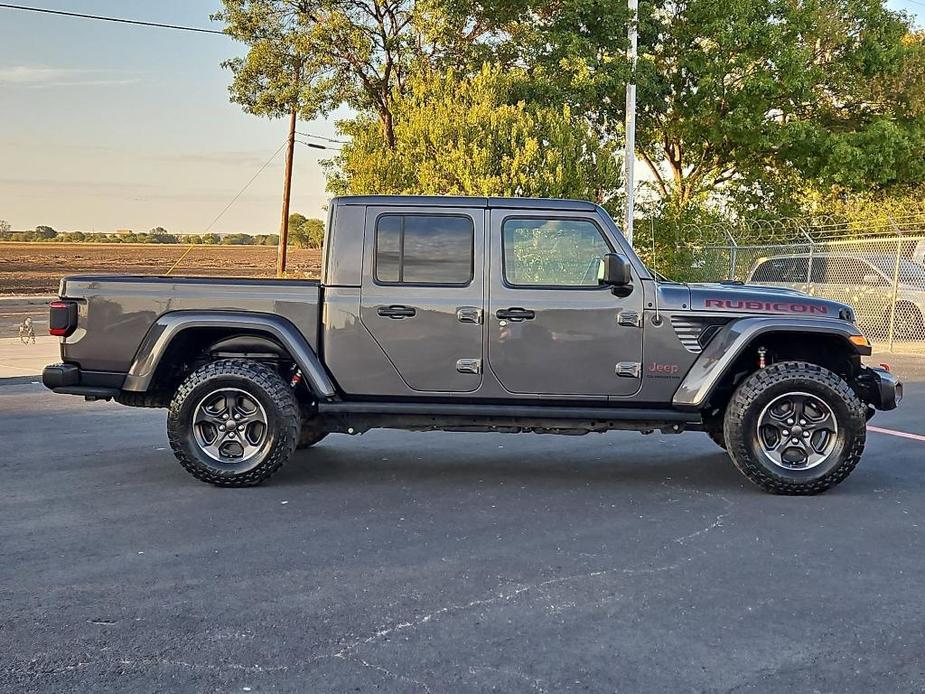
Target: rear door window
(424, 249)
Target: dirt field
(35, 268)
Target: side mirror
(616, 272)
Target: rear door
(552, 329)
(421, 298)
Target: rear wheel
(233, 423)
(795, 428)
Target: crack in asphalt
(346, 652)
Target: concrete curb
(28, 299)
(20, 380)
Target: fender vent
(695, 332)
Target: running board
(428, 409)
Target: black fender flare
(171, 324)
(722, 351)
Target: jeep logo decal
(770, 306)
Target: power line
(118, 20)
(322, 137)
(315, 145)
(246, 186)
(228, 206)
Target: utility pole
(287, 189)
(629, 157)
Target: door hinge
(469, 366)
(630, 319)
(469, 314)
(629, 369)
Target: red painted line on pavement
(892, 432)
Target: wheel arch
(178, 334)
(733, 354)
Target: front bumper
(880, 388)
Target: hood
(750, 299)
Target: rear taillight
(62, 318)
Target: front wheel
(233, 423)
(795, 428)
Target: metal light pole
(629, 156)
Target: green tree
(305, 232)
(160, 235)
(744, 91)
(237, 240)
(45, 232)
(317, 55)
(4, 226)
(464, 136)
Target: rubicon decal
(768, 306)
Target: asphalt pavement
(402, 562)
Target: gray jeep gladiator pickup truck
(474, 314)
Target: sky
(106, 126)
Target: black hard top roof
(461, 201)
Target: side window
(840, 270)
(859, 272)
(819, 270)
(552, 252)
(424, 249)
(768, 271)
(796, 270)
(786, 270)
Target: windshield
(910, 272)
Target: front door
(552, 329)
(421, 299)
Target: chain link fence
(876, 266)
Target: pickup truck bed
(115, 313)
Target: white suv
(864, 281)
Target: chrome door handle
(396, 312)
(469, 314)
(515, 314)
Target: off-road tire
(260, 382)
(760, 389)
(310, 433)
(132, 399)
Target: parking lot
(403, 562)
